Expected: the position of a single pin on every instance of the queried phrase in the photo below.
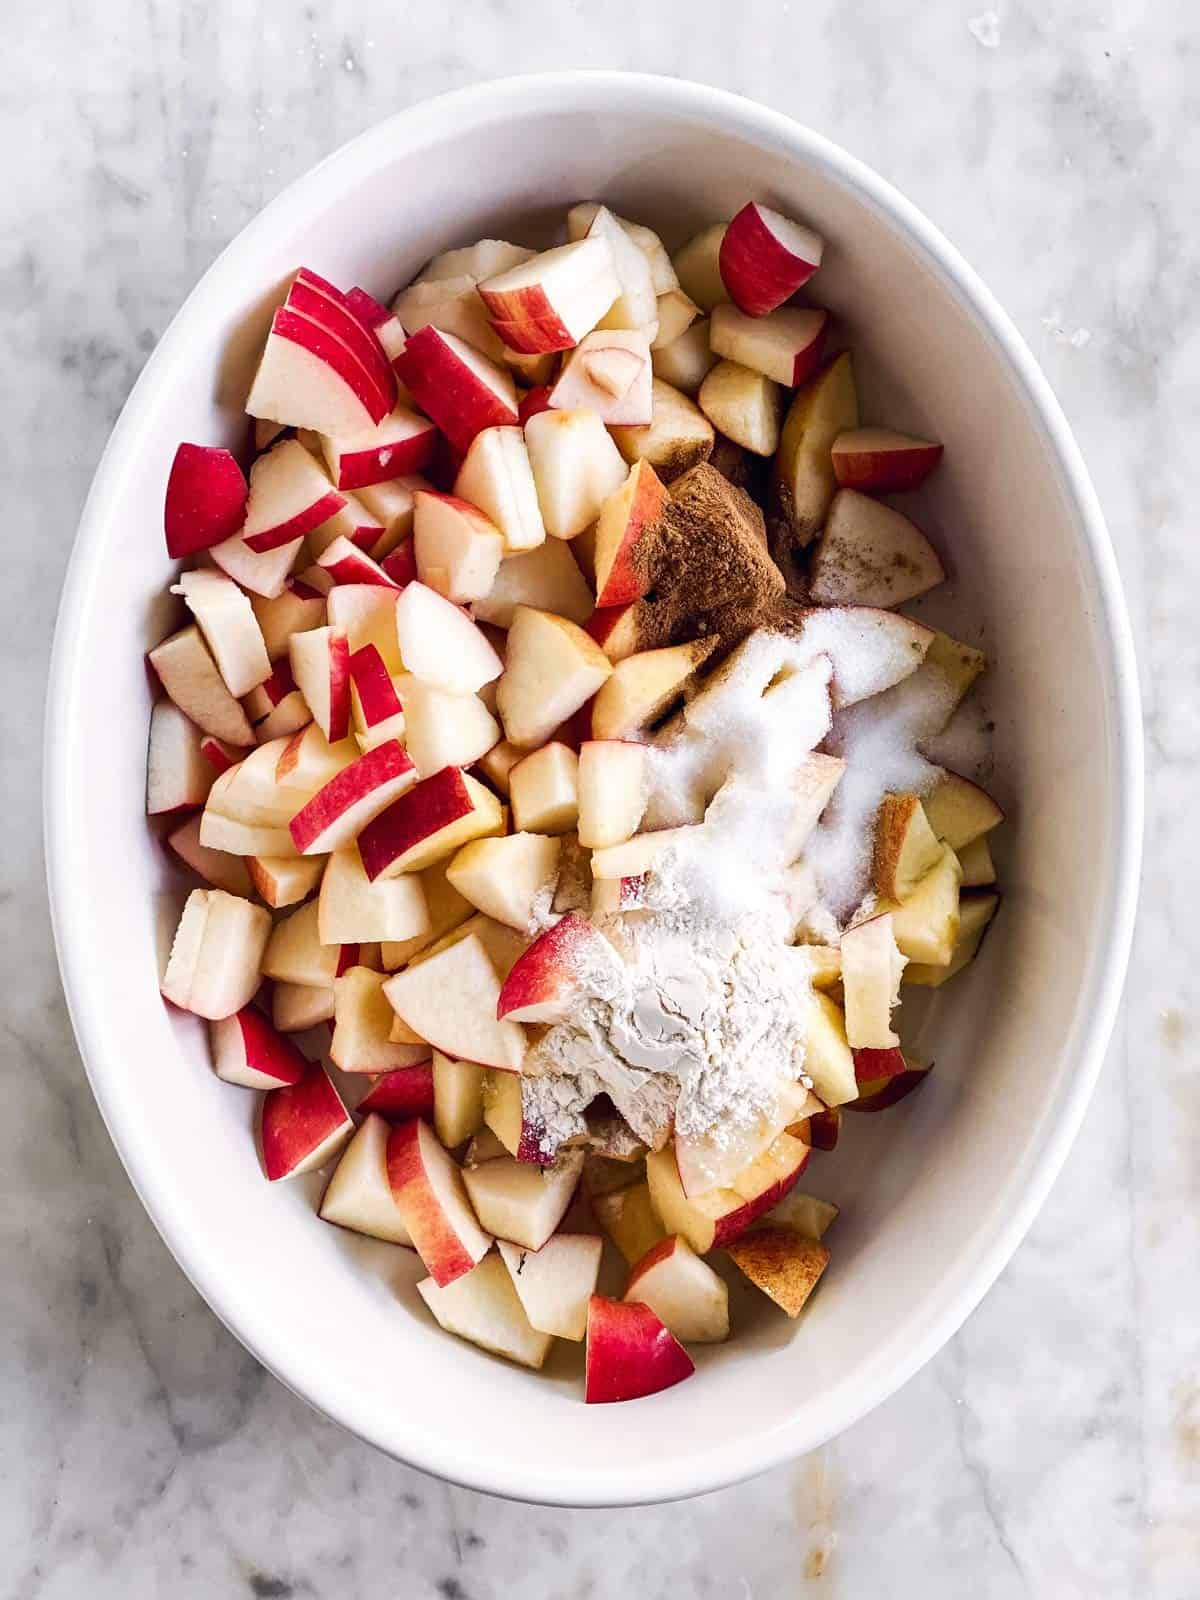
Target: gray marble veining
(1053, 1449)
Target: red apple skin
(296, 527)
(355, 566)
(358, 469)
(871, 1066)
(886, 471)
(435, 1241)
(268, 1051)
(630, 1353)
(218, 754)
(429, 805)
(347, 958)
(339, 688)
(318, 341)
(317, 299)
(821, 1130)
(401, 564)
(206, 499)
(547, 972)
(297, 1118)
(537, 399)
(656, 1253)
(884, 1092)
(614, 628)
(759, 272)
(376, 692)
(402, 1093)
(369, 311)
(623, 584)
(280, 683)
(385, 762)
(807, 361)
(445, 389)
(526, 320)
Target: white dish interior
(935, 1193)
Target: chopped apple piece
(784, 1263)
(337, 814)
(295, 954)
(320, 661)
(869, 554)
(682, 1291)
(451, 999)
(551, 668)
(978, 869)
(580, 219)
(284, 880)
(248, 1051)
(358, 1195)
(483, 259)
(709, 1220)
(402, 443)
(805, 1213)
(686, 361)
(926, 923)
(498, 763)
(744, 406)
(785, 346)
(550, 301)
(555, 1283)
(804, 483)
(444, 730)
(959, 811)
(218, 869)
(643, 687)
(206, 499)
(637, 855)
(546, 979)
(216, 955)
(624, 537)
(427, 1187)
(400, 1094)
(871, 969)
(765, 257)
(353, 910)
(484, 1308)
(429, 822)
(188, 673)
(906, 847)
(447, 910)
(630, 1353)
(506, 877)
(609, 374)
(304, 1125)
(296, 609)
(676, 313)
(612, 791)
(520, 1202)
(698, 267)
(975, 914)
(828, 1059)
(366, 614)
(547, 579)
(440, 643)
(457, 1099)
(450, 304)
(307, 378)
(460, 388)
(362, 1025)
(178, 774)
(544, 789)
(496, 476)
(679, 436)
(296, 1007)
(879, 461)
(457, 549)
(575, 466)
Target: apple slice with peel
(684, 364)
(828, 1059)
(345, 563)
(296, 1007)
(248, 1051)
(307, 378)
(708, 1221)
(871, 969)
(303, 1125)
(295, 954)
(316, 298)
(190, 677)
(362, 1024)
(220, 756)
(804, 483)
(625, 535)
(514, 1122)
(576, 466)
(680, 435)
(821, 1130)
(877, 1094)
(402, 443)
(366, 614)
(289, 497)
(550, 301)
(432, 820)
(320, 662)
(206, 499)
(268, 694)
(630, 1353)
(218, 869)
(451, 998)
(555, 1283)
(374, 702)
(925, 924)
(353, 910)
(765, 257)
(263, 573)
(216, 956)
(520, 1202)
(743, 406)
(284, 880)
(375, 316)
(643, 687)
(358, 1195)
(975, 914)
(683, 1292)
(873, 1066)
(428, 1189)
(662, 273)
(337, 813)
(544, 789)
(872, 555)
(637, 855)
(906, 847)
(441, 645)
(444, 730)
(698, 267)
(497, 478)
(785, 346)
(483, 1307)
(880, 461)
(551, 668)
(457, 1099)
(784, 1263)
(400, 1094)
(612, 791)
(610, 373)
(720, 1158)
(457, 549)
(871, 650)
(460, 388)
(506, 877)
(391, 505)
(676, 313)
(547, 578)
(558, 966)
(178, 776)
(960, 812)
(295, 609)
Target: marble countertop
(1053, 1448)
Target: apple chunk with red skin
(216, 956)
(307, 378)
(289, 497)
(460, 388)
(320, 662)
(451, 999)
(610, 373)
(457, 549)
(427, 1187)
(248, 1051)
(206, 499)
(429, 822)
(623, 532)
(303, 1125)
(765, 257)
(710, 1220)
(496, 476)
(337, 813)
(880, 461)
(317, 299)
(358, 1195)
(550, 301)
(402, 1093)
(402, 443)
(682, 1290)
(545, 982)
(876, 1094)
(630, 1353)
(785, 346)
(218, 868)
(504, 877)
(346, 562)
(230, 628)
